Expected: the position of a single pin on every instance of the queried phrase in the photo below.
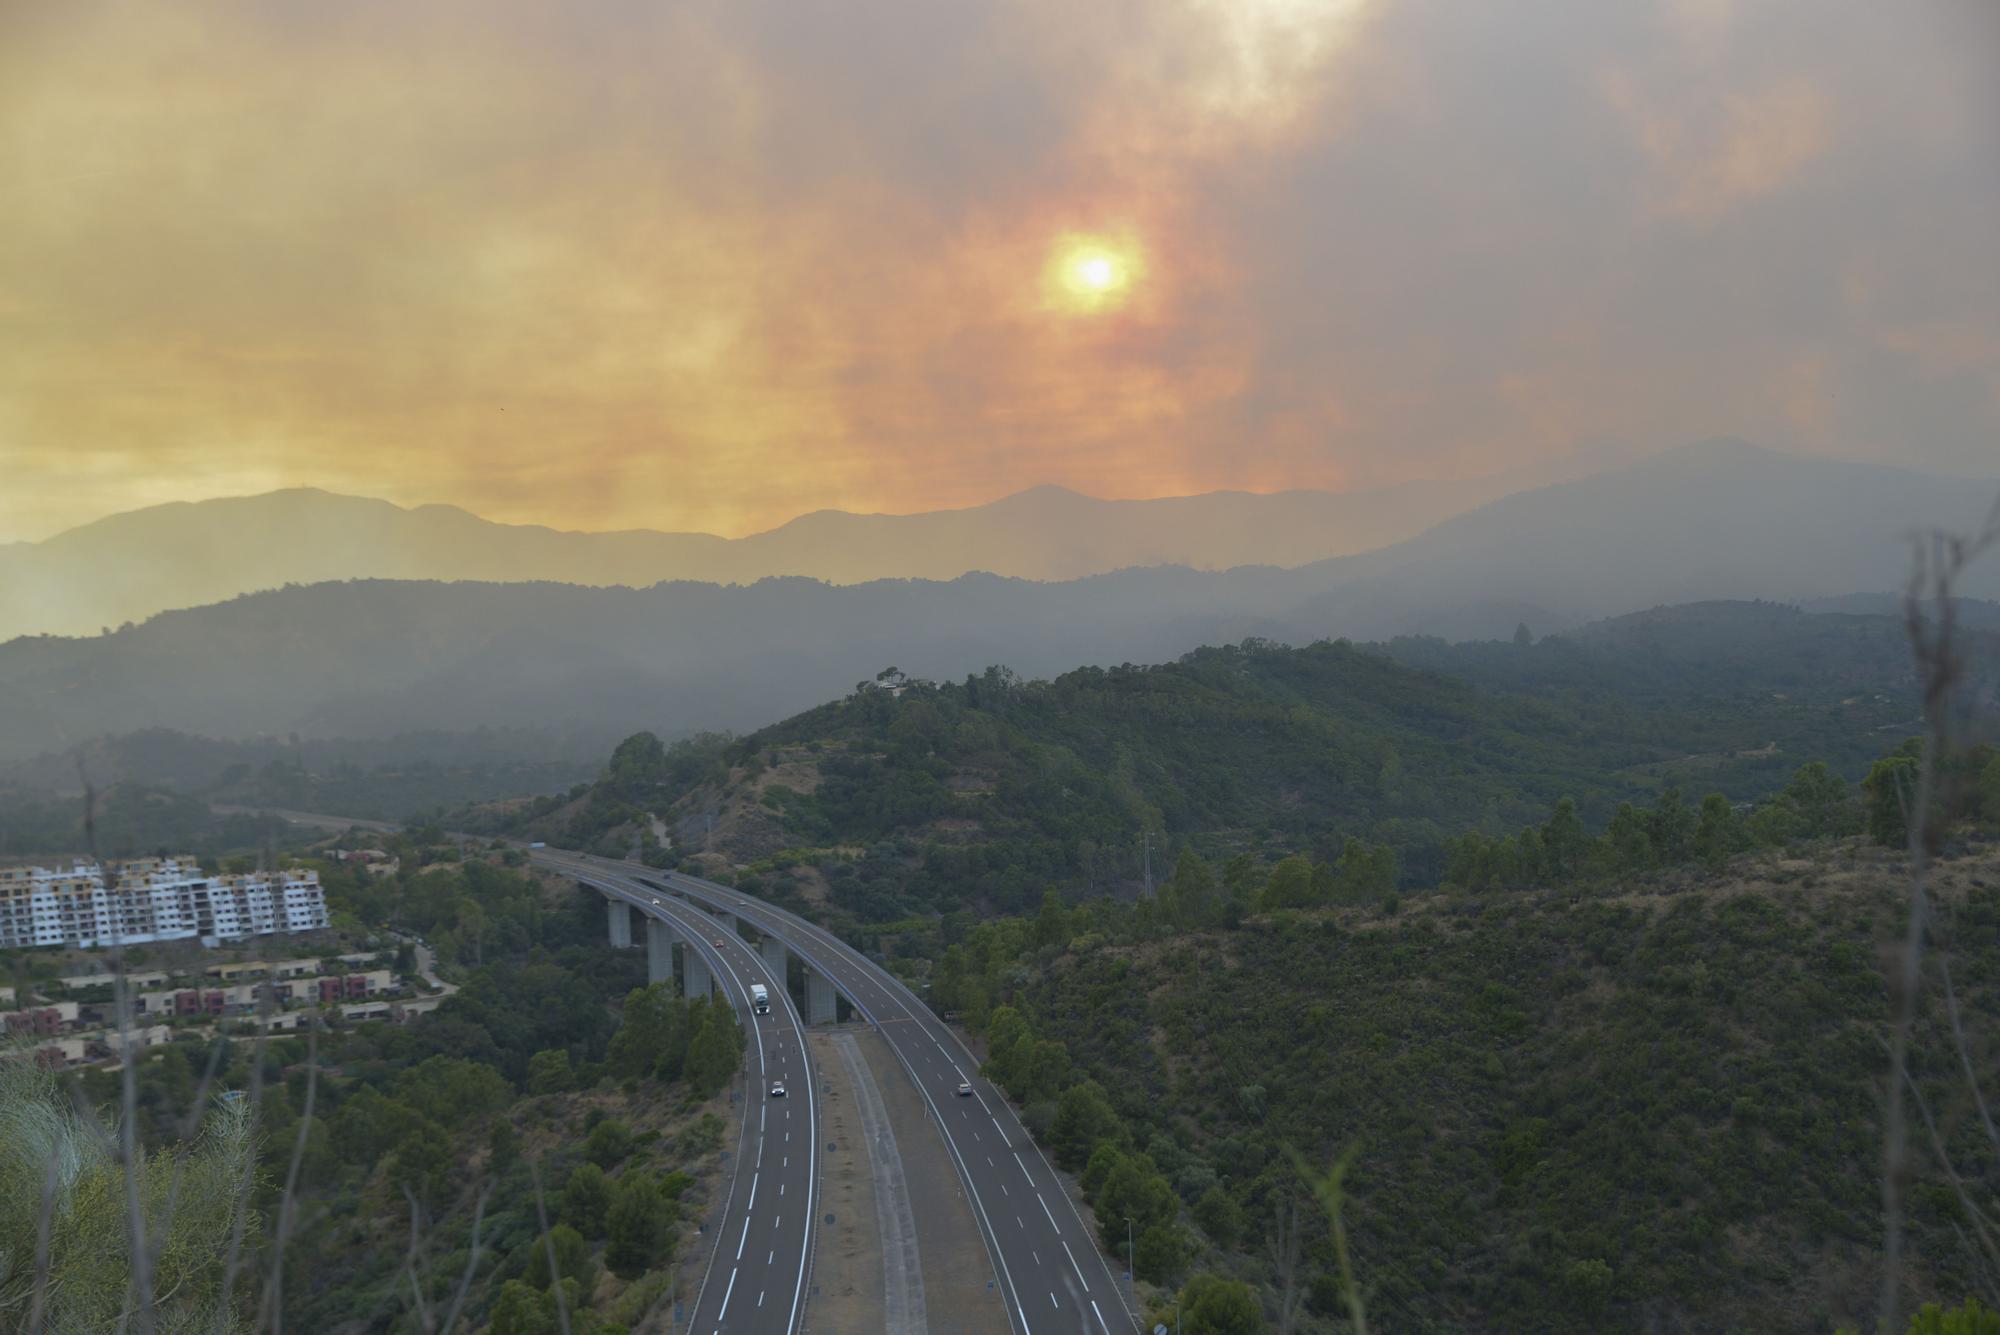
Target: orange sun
(1087, 274)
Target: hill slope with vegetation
(913, 796)
(1646, 1096)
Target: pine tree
(638, 1225)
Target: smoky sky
(710, 265)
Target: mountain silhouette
(375, 658)
(130, 566)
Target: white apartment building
(152, 899)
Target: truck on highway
(760, 1000)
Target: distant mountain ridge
(377, 658)
(130, 566)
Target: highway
(1046, 1262)
(760, 1261)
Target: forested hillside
(1641, 1102)
(1571, 951)
(911, 796)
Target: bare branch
(471, 1262)
(410, 1266)
(549, 1247)
(1965, 1053)
(1972, 1211)
(274, 1290)
(1930, 618)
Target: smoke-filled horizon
(706, 266)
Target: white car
(777, 1089)
(965, 1089)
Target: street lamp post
(1131, 1279)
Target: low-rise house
(43, 1021)
(60, 1052)
(77, 982)
(237, 969)
(354, 986)
(150, 1036)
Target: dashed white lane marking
(1045, 1210)
(745, 1238)
(720, 1311)
(1074, 1266)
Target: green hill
(1653, 1104)
(914, 796)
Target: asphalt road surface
(760, 1262)
(1045, 1258)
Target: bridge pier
(619, 914)
(695, 980)
(821, 1008)
(777, 961)
(659, 952)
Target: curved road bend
(761, 1257)
(1045, 1257)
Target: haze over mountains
(376, 658)
(129, 566)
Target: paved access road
(760, 1265)
(1045, 1257)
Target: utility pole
(1149, 862)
